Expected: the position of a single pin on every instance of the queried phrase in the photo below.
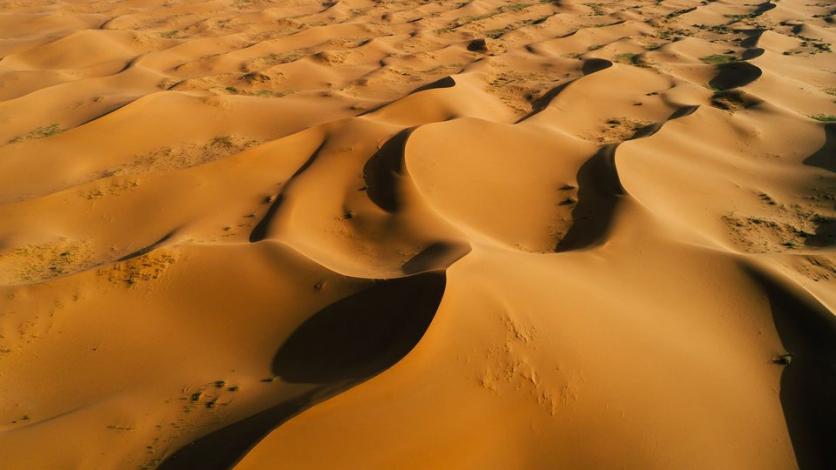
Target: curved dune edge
(470, 234)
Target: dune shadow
(752, 53)
(589, 66)
(262, 228)
(363, 334)
(382, 170)
(542, 102)
(808, 383)
(735, 75)
(338, 347)
(595, 65)
(148, 249)
(763, 8)
(651, 129)
(752, 37)
(438, 255)
(444, 82)
(824, 234)
(599, 189)
(825, 157)
(222, 449)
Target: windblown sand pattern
(371, 234)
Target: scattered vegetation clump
(824, 117)
(597, 8)
(517, 6)
(38, 133)
(716, 59)
(676, 13)
(631, 58)
(715, 28)
(732, 100)
(148, 267)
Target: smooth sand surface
(367, 234)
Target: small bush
(824, 117)
(716, 59)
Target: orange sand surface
(413, 234)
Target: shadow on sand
(808, 384)
(340, 346)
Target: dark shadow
(438, 255)
(684, 111)
(808, 383)
(542, 102)
(599, 189)
(589, 66)
(383, 170)
(752, 37)
(110, 111)
(363, 334)
(650, 129)
(129, 64)
(825, 233)
(752, 53)
(222, 449)
(477, 45)
(595, 65)
(762, 8)
(445, 82)
(148, 249)
(338, 347)
(646, 131)
(825, 157)
(262, 228)
(734, 75)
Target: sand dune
(409, 234)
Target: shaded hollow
(808, 383)
(343, 344)
(383, 170)
(362, 334)
(599, 188)
(734, 75)
(825, 157)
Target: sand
(371, 234)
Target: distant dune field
(414, 234)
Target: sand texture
(413, 234)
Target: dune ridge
(410, 234)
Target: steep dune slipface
(471, 234)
